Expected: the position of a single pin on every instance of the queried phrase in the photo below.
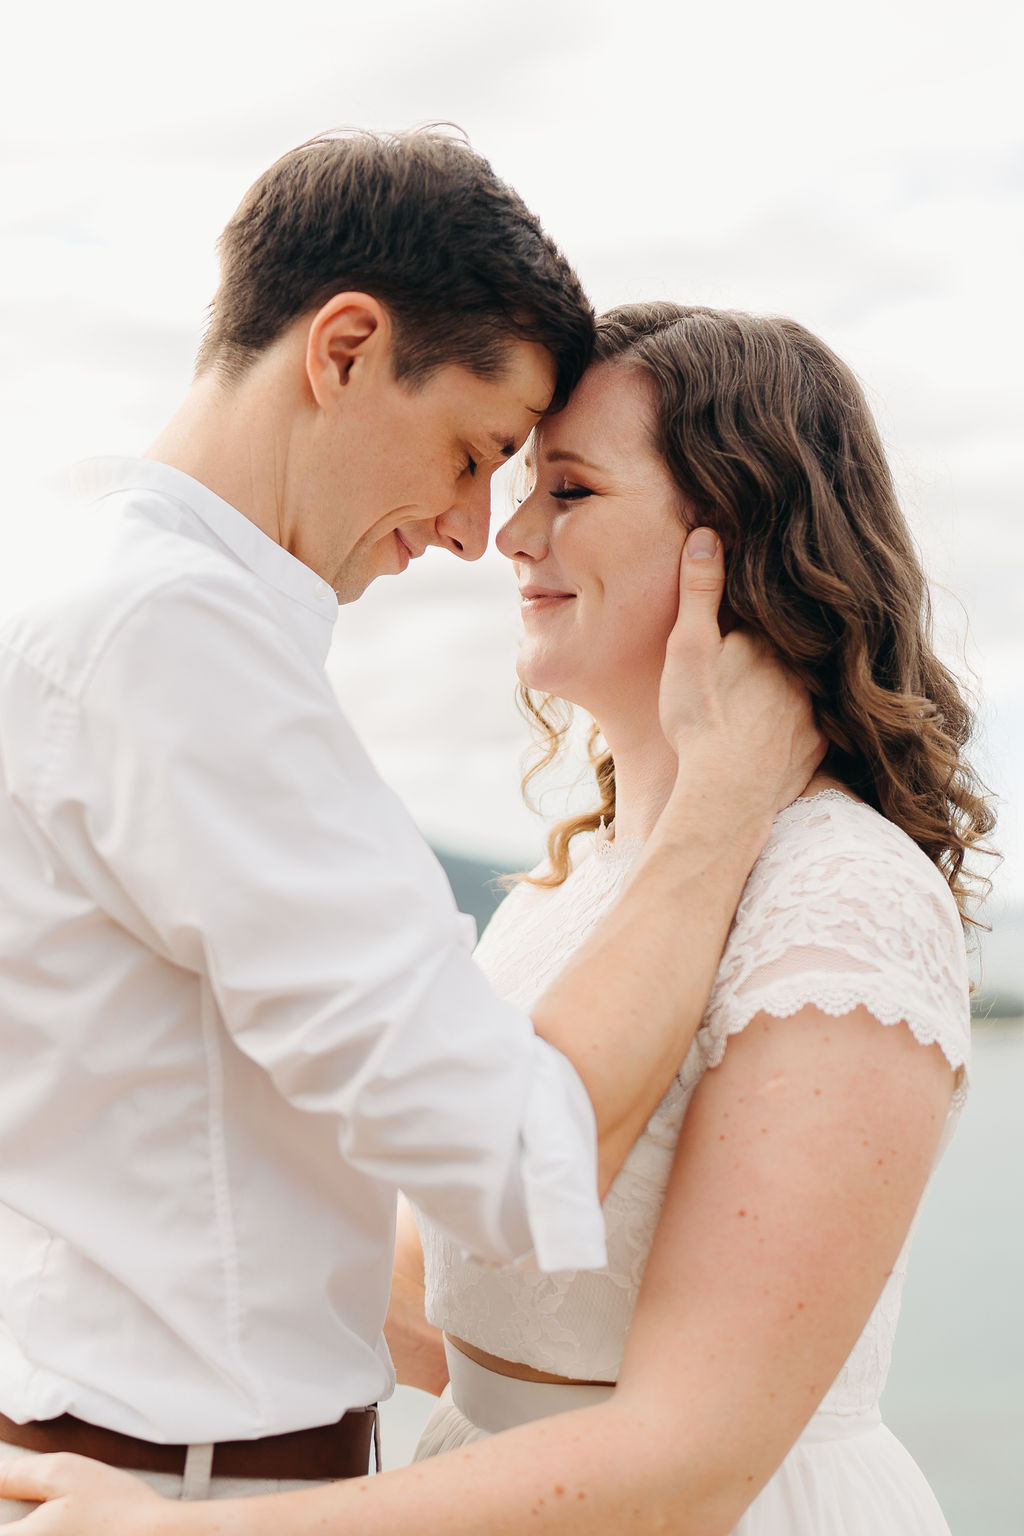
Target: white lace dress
(841, 910)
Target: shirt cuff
(559, 1167)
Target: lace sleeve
(843, 910)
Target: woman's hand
(86, 1498)
(735, 715)
(417, 1347)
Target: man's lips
(407, 552)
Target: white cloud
(860, 169)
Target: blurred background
(859, 168)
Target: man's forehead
(528, 384)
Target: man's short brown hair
(421, 222)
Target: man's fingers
(703, 565)
(701, 583)
(695, 637)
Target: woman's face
(596, 548)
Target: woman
(752, 427)
(722, 1375)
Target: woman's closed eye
(571, 493)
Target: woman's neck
(645, 771)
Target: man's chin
(356, 575)
(350, 585)
(390, 556)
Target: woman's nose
(525, 535)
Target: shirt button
(321, 590)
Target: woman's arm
(801, 1162)
(632, 996)
(800, 1165)
(417, 1347)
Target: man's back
(229, 970)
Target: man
(238, 1008)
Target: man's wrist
(706, 813)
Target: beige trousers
(196, 1483)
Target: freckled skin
(709, 1356)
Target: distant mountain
(474, 883)
(1000, 973)
(1000, 991)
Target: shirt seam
(40, 792)
(217, 1148)
(237, 559)
(73, 695)
(36, 1368)
(75, 692)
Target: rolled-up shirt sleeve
(211, 794)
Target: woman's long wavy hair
(771, 442)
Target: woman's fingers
(31, 1477)
(88, 1494)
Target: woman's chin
(538, 670)
(546, 680)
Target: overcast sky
(859, 168)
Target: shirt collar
(249, 545)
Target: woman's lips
(537, 599)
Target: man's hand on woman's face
(732, 711)
(86, 1498)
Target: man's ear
(349, 335)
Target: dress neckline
(607, 846)
(828, 793)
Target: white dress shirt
(237, 1008)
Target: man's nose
(464, 528)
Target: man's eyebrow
(504, 443)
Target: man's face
(409, 467)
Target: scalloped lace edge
(717, 1031)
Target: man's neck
(227, 437)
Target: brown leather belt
(323, 1454)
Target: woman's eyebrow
(563, 455)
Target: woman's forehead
(608, 415)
